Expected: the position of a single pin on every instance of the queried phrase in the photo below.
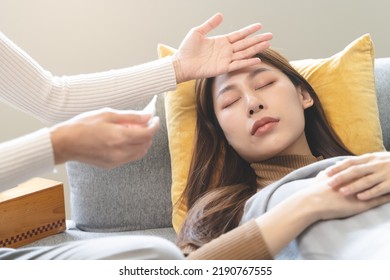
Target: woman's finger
(347, 163)
(362, 184)
(251, 41)
(209, 24)
(243, 32)
(374, 192)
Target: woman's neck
(273, 169)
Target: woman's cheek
(230, 121)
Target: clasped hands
(351, 186)
(366, 176)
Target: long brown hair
(220, 181)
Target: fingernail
(362, 196)
(331, 182)
(145, 117)
(328, 172)
(344, 190)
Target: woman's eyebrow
(225, 89)
(251, 75)
(256, 72)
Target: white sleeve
(24, 158)
(25, 85)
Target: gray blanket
(364, 236)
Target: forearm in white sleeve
(26, 85)
(25, 157)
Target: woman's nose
(255, 109)
(254, 106)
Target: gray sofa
(135, 198)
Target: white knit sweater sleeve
(24, 158)
(25, 85)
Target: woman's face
(261, 112)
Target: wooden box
(31, 211)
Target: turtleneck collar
(273, 169)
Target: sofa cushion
(72, 233)
(344, 82)
(382, 79)
(134, 196)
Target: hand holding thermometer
(151, 108)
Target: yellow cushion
(180, 113)
(344, 83)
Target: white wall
(81, 36)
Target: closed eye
(228, 104)
(264, 86)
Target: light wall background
(81, 36)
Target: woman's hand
(329, 203)
(105, 138)
(201, 57)
(366, 176)
(312, 204)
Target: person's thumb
(131, 118)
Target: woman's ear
(306, 99)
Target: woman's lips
(263, 125)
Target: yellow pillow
(344, 83)
(180, 113)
